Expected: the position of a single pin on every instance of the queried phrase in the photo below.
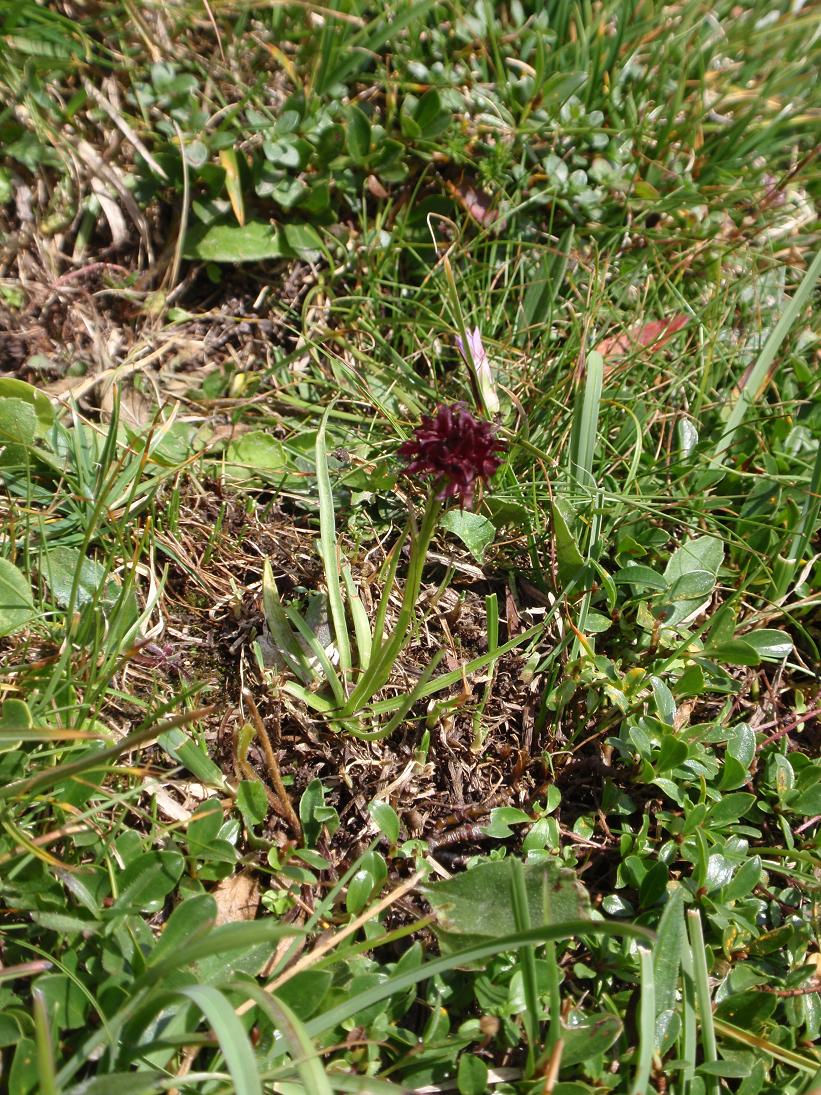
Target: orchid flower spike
(455, 448)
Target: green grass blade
(671, 939)
(785, 568)
(316, 648)
(585, 424)
(45, 1051)
(702, 990)
(473, 666)
(302, 1050)
(689, 1025)
(647, 1022)
(758, 374)
(98, 760)
(231, 1035)
(407, 702)
(328, 552)
(780, 1053)
(521, 917)
(360, 47)
(280, 629)
(384, 601)
(361, 624)
(398, 983)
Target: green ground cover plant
(409, 612)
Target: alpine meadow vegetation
(410, 447)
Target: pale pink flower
(476, 358)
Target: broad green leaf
(704, 553)
(671, 937)
(643, 577)
(692, 585)
(806, 802)
(252, 802)
(148, 878)
(180, 746)
(471, 1075)
(729, 809)
(15, 717)
(430, 116)
(770, 645)
(16, 601)
(204, 826)
(475, 531)
(191, 920)
(590, 1036)
(10, 1032)
(386, 818)
(476, 906)
(501, 818)
(67, 1003)
(357, 134)
(24, 1075)
(254, 452)
(567, 549)
(59, 566)
(690, 575)
(12, 388)
(311, 802)
(18, 422)
(734, 652)
(368, 879)
(254, 241)
(304, 240)
(305, 992)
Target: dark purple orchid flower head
(457, 449)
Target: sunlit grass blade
(789, 1056)
(397, 983)
(277, 620)
(328, 550)
(388, 578)
(671, 939)
(361, 624)
(704, 1002)
(755, 382)
(646, 1022)
(231, 1035)
(447, 680)
(45, 1051)
(585, 426)
(689, 1022)
(296, 618)
(786, 568)
(405, 703)
(99, 759)
(307, 1062)
(521, 918)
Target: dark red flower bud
(457, 449)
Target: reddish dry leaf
(652, 335)
(475, 203)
